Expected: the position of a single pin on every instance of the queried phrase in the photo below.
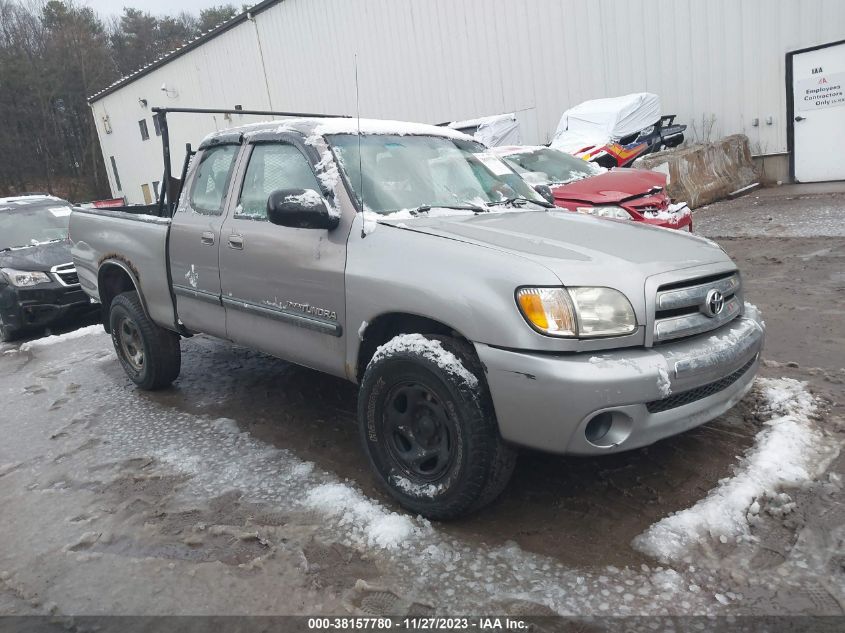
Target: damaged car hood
(41, 257)
(575, 246)
(611, 187)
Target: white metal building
(723, 66)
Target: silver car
(474, 317)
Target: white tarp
(599, 121)
(493, 131)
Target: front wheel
(428, 427)
(150, 355)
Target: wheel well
(386, 326)
(112, 281)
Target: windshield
(27, 223)
(546, 166)
(413, 172)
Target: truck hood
(579, 249)
(610, 187)
(37, 258)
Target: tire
(428, 427)
(7, 334)
(150, 355)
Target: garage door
(818, 92)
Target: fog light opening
(598, 427)
(608, 429)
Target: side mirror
(300, 209)
(546, 192)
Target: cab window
(208, 189)
(272, 166)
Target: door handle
(236, 241)
(207, 237)
(800, 118)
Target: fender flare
(126, 268)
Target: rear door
(195, 239)
(283, 287)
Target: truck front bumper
(588, 404)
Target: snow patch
(429, 349)
(673, 214)
(788, 451)
(416, 490)
(378, 126)
(381, 528)
(309, 197)
(61, 338)
(663, 383)
(327, 171)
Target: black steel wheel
(429, 429)
(419, 433)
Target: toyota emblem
(714, 303)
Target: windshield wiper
(518, 199)
(425, 208)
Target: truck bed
(135, 242)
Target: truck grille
(681, 309)
(65, 274)
(699, 393)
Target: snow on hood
(38, 257)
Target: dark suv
(38, 282)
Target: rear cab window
(211, 180)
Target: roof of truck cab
(314, 127)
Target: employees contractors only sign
(820, 91)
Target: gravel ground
(242, 490)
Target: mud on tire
(150, 355)
(428, 427)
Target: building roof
(188, 46)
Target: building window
(114, 171)
(145, 133)
(156, 185)
(156, 125)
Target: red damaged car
(622, 194)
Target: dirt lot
(243, 489)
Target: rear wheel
(150, 355)
(428, 427)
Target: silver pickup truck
(401, 257)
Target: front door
(819, 113)
(283, 287)
(195, 240)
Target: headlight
(23, 278)
(616, 213)
(582, 312)
(602, 312)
